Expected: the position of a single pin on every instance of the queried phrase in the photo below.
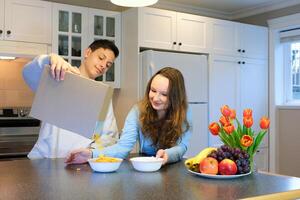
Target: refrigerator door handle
(197, 102)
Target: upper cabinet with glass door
(74, 28)
(70, 30)
(107, 25)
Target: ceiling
(224, 9)
(229, 8)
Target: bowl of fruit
(222, 162)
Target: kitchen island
(52, 179)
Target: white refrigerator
(194, 68)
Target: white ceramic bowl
(104, 166)
(146, 164)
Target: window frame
(287, 76)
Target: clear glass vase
(253, 166)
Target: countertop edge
(293, 194)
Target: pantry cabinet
(239, 85)
(75, 28)
(253, 89)
(237, 39)
(169, 30)
(238, 75)
(27, 21)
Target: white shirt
(55, 142)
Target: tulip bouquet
(237, 135)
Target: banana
(193, 162)
(203, 154)
(189, 162)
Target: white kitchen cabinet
(70, 31)
(239, 84)
(75, 28)
(27, 21)
(169, 30)
(236, 39)
(223, 89)
(254, 89)
(157, 28)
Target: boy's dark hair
(105, 44)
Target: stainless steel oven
(18, 132)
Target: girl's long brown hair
(165, 132)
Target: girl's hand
(162, 154)
(58, 67)
(78, 156)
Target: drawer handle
(180, 44)
(8, 32)
(174, 43)
(1, 31)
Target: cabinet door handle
(179, 43)
(174, 43)
(239, 62)
(243, 62)
(243, 50)
(1, 31)
(239, 50)
(8, 32)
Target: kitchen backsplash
(13, 90)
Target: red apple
(208, 165)
(227, 167)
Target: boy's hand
(58, 67)
(78, 156)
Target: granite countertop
(52, 179)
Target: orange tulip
(225, 110)
(247, 112)
(264, 123)
(248, 121)
(229, 128)
(214, 128)
(224, 121)
(246, 140)
(232, 114)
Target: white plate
(219, 176)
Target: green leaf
(250, 149)
(244, 130)
(224, 136)
(221, 135)
(237, 139)
(239, 129)
(251, 132)
(258, 140)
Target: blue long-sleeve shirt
(132, 133)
